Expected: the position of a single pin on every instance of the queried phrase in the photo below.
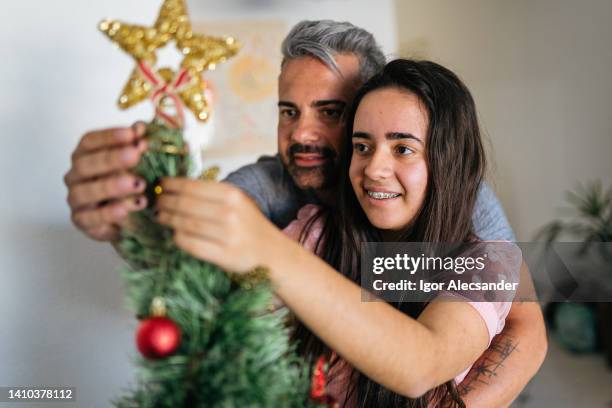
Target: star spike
(203, 52)
(173, 20)
(138, 41)
(136, 89)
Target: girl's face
(388, 169)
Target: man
(324, 63)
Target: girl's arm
(405, 355)
(218, 223)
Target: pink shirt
(506, 261)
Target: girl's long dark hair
(456, 163)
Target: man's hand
(512, 359)
(216, 222)
(101, 190)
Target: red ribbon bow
(163, 89)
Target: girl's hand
(217, 222)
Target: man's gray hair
(324, 39)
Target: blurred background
(538, 70)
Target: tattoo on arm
(488, 365)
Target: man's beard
(315, 177)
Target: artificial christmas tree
(207, 340)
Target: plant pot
(605, 325)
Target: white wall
(64, 320)
(540, 73)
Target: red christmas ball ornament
(158, 337)
(319, 380)
(318, 386)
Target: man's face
(312, 102)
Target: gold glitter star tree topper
(166, 88)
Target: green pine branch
(234, 351)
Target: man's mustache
(323, 151)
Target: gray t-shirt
(270, 185)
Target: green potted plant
(591, 206)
